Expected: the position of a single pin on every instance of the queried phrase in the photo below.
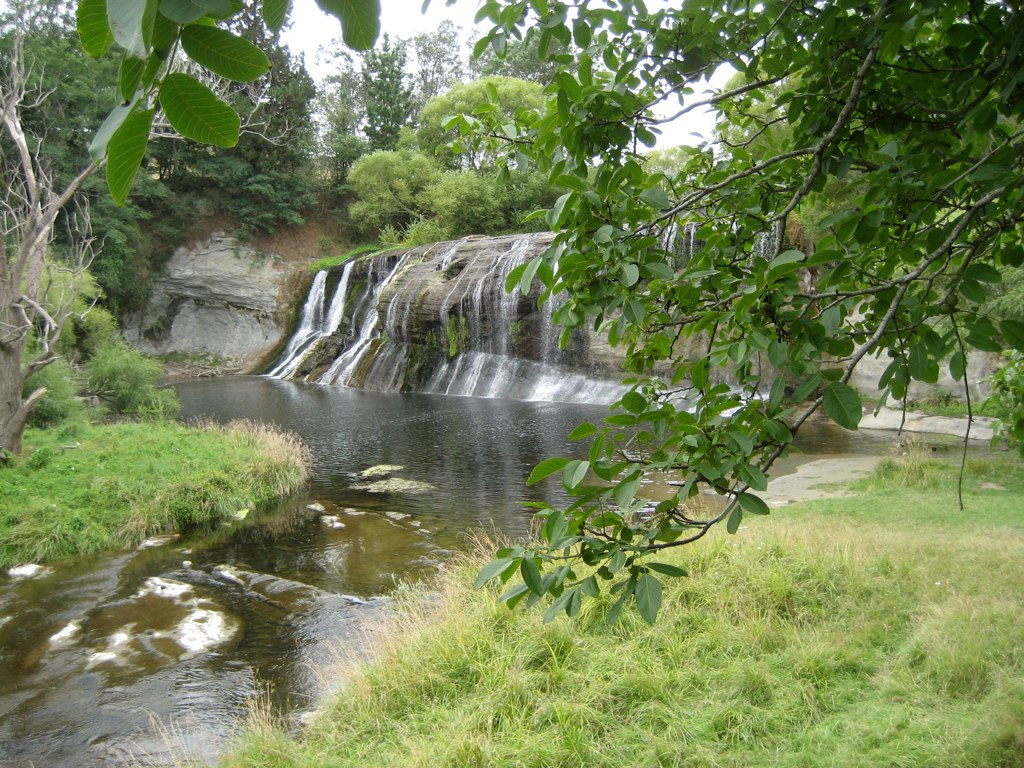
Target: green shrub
(127, 380)
(423, 231)
(1007, 400)
(60, 401)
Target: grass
(332, 261)
(85, 488)
(879, 629)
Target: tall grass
(856, 632)
(81, 489)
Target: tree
(520, 59)
(35, 302)
(387, 97)
(340, 104)
(915, 104)
(507, 95)
(150, 85)
(389, 187)
(437, 64)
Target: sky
(312, 29)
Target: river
(162, 650)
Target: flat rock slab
(806, 483)
(892, 418)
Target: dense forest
(365, 152)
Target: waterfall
(344, 368)
(310, 320)
(314, 323)
(437, 319)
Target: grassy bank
(881, 629)
(84, 488)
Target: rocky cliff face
(219, 299)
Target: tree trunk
(13, 412)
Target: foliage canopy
(912, 108)
(914, 105)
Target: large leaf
(196, 112)
(226, 54)
(530, 572)
(125, 152)
(131, 22)
(129, 76)
(93, 27)
(360, 20)
(648, 597)
(842, 404)
(546, 468)
(181, 11)
(491, 570)
(116, 118)
(274, 13)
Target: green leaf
(660, 269)
(735, 518)
(806, 388)
(196, 113)
(556, 527)
(1013, 333)
(165, 37)
(360, 20)
(753, 476)
(93, 27)
(226, 54)
(630, 274)
(983, 273)
(922, 366)
(181, 11)
(755, 505)
(125, 150)
(574, 472)
(546, 468)
(526, 281)
(274, 13)
(957, 365)
(634, 402)
(586, 429)
(842, 404)
(131, 22)
(625, 491)
(655, 197)
(648, 597)
(116, 118)
(129, 76)
(530, 572)
(491, 570)
(563, 602)
(668, 570)
(513, 278)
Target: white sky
(312, 29)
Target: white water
(488, 326)
(314, 323)
(342, 370)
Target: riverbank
(865, 630)
(84, 488)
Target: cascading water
(315, 323)
(437, 319)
